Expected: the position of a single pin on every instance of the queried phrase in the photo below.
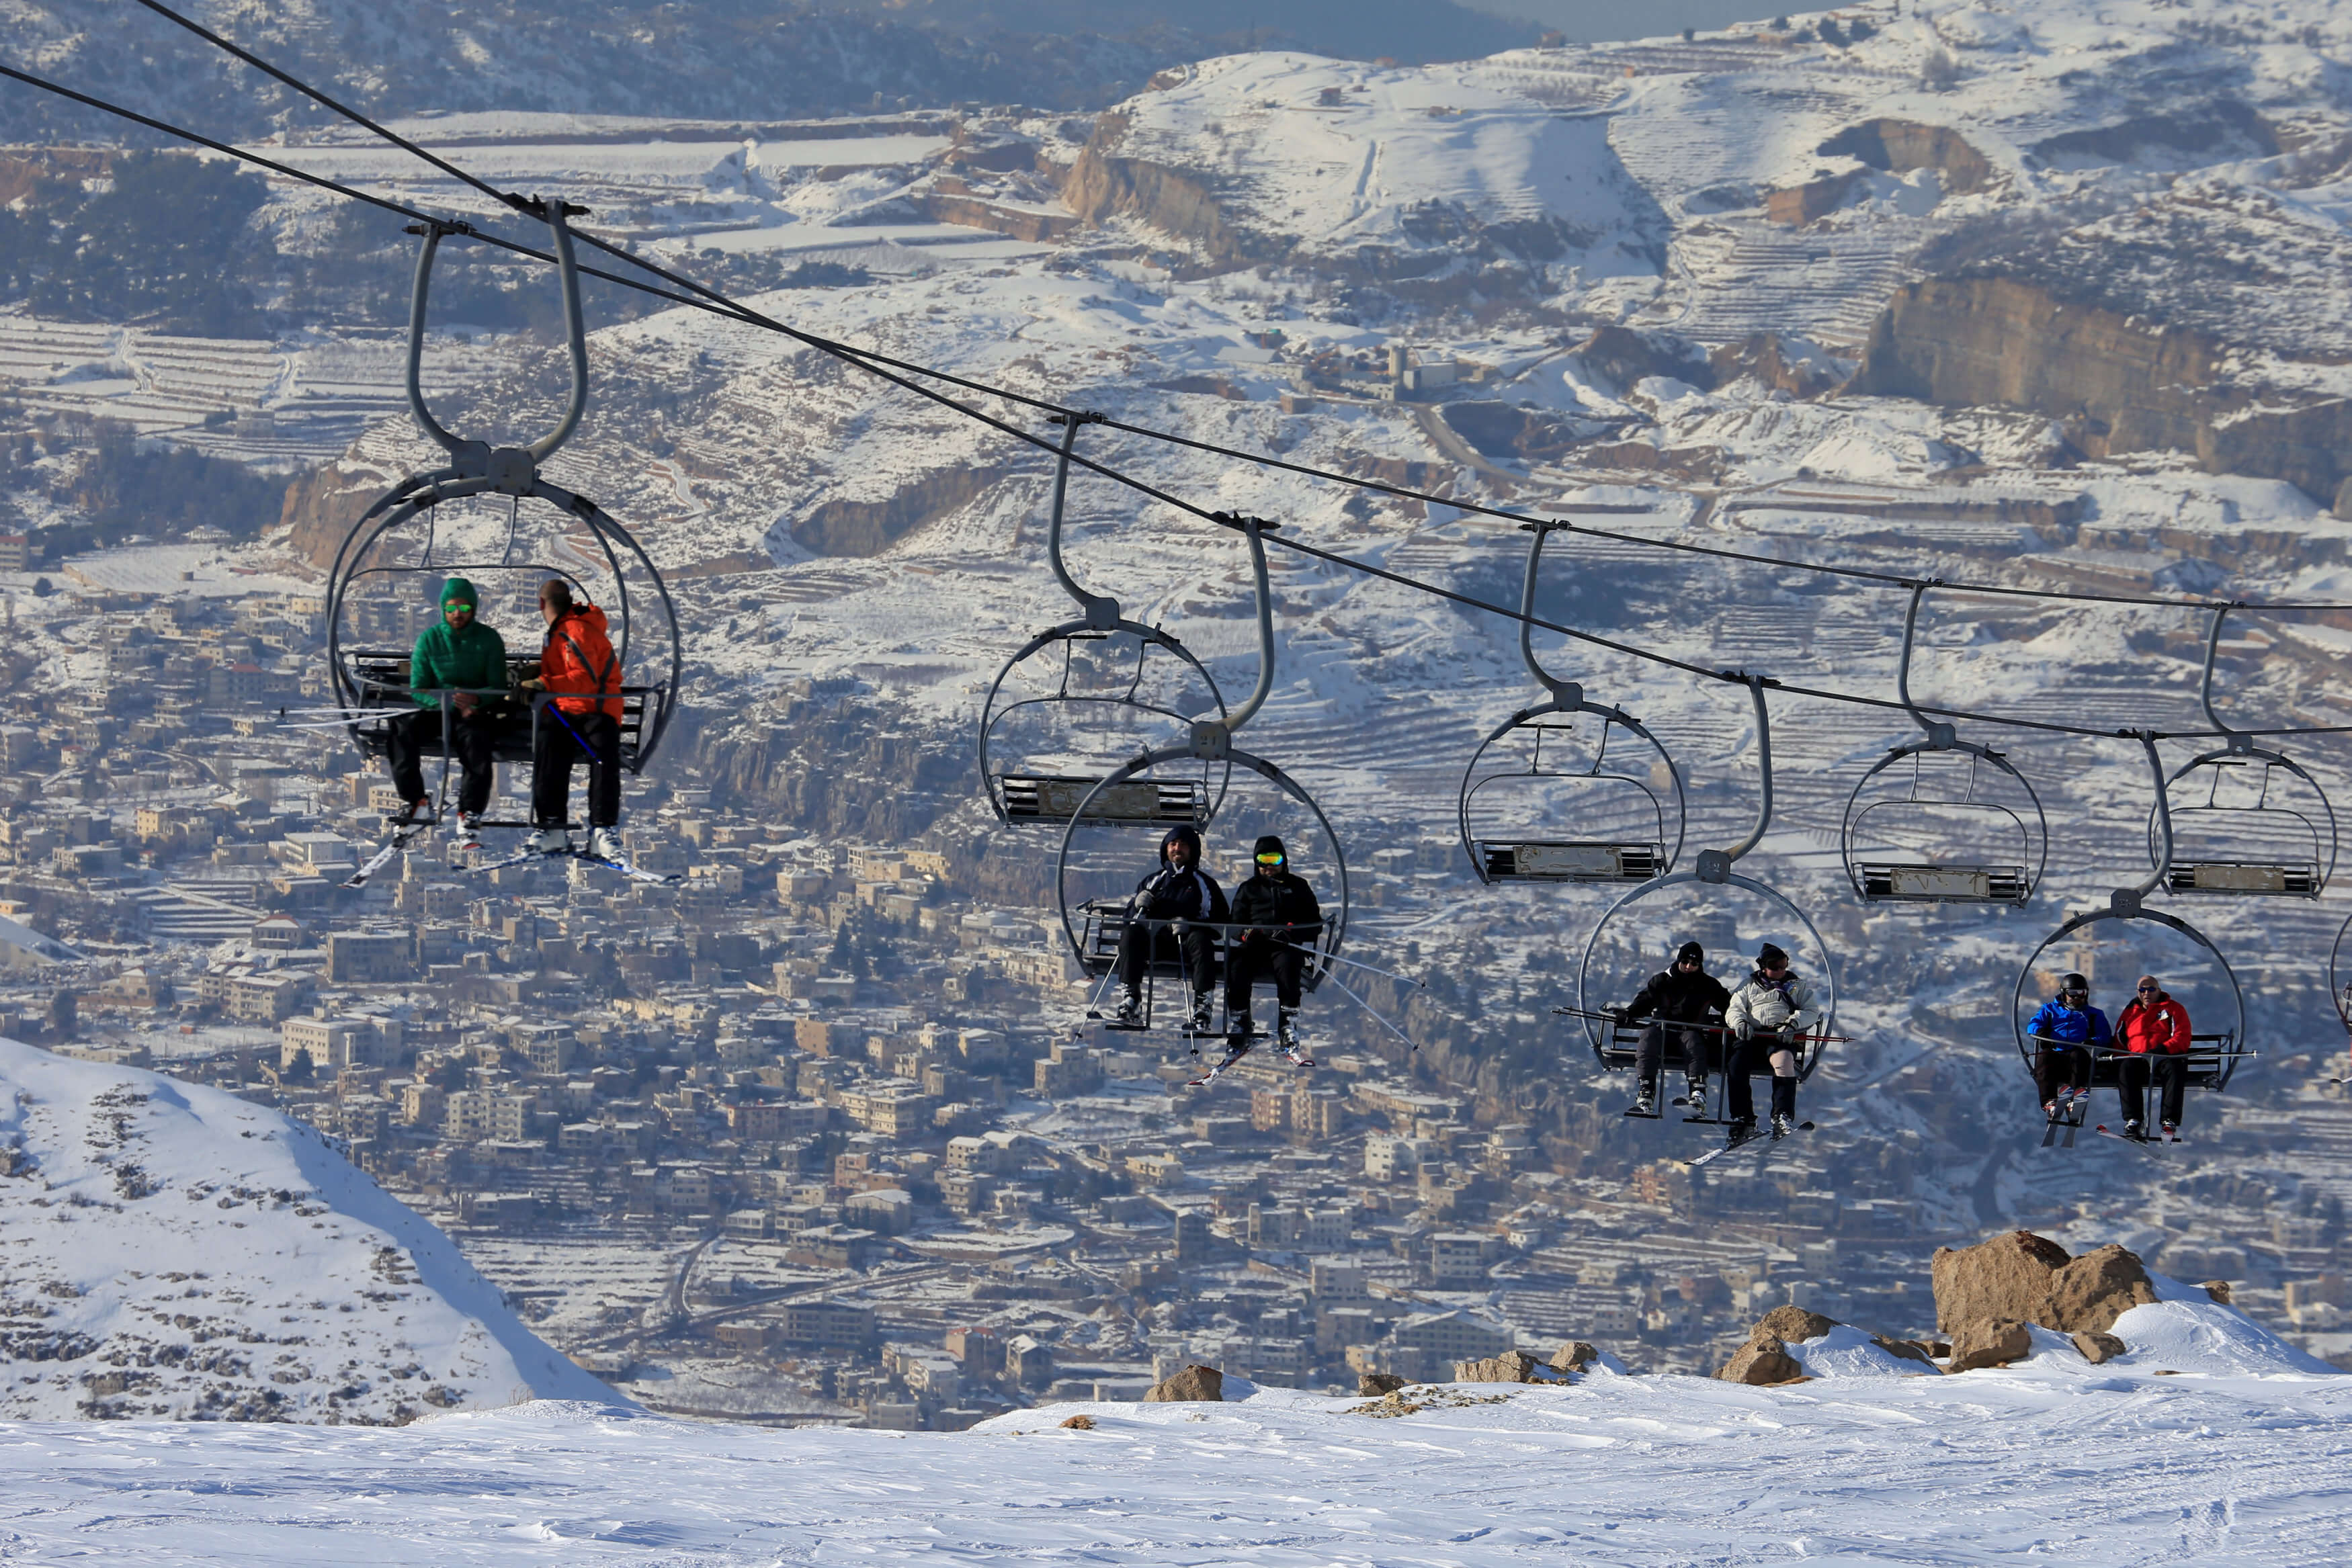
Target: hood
(457, 591)
(1184, 834)
(1271, 843)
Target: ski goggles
(1271, 858)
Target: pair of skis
(1751, 1141)
(610, 862)
(1290, 1053)
(2073, 1107)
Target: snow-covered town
(1898, 449)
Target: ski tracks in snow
(2052, 1460)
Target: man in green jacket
(460, 656)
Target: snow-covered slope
(2051, 1460)
(168, 1249)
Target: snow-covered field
(2233, 1461)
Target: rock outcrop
(2007, 1277)
(1765, 1360)
(1511, 1366)
(1204, 1384)
(1900, 146)
(869, 527)
(1375, 1385)
(2030, 1279)
(1989, 1341)
(1574, 1357)
(2219, 1290)
(1760, 1362)
(2118, 385)
(2099, 1347)
(2091, 1292)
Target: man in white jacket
(1766, 1015)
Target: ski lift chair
(2272, 848)
(1095, 926)
(1614, 1043)
(1497, 855)
(2214, 1055)
(1879, 870)
(371, 684)
(1019, 795)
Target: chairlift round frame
(1564, 860)
(1885, 882)
(477, 469)
(1102, 620)
(1715, 870)
(2127, 904)
(2240, 748)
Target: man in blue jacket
(2064, 1032)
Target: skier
(2153, 1032)
(1168, 904)
(1674, 999)
(2065, 1031)
(1766, 1015)
(460, 655)
(578, 658)
(1275, 918)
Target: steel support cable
(875, 364)
(1266, 460)
(871, 359)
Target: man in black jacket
(1277, 923)
(1676, 1000)
(1179, 891)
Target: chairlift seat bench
(381, 677)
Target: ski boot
(1239, 1027)
(412, 814)
(2171, 1133)
(1646, 1104)
(1782, 1124)
(1697, 1099)
(551, 842)
(604, 843)
(1131, 1010)
(1285, 1040)
(2134, 1129)
(1739, 1131)
(470, 829)
(1202, 1014)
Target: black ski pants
(409, 737)
(1255, 957)
(1651, 1054)
(1143, 944)
(2054, 1064)
(1754, 1055)
(563, 739)
(2132, 1073)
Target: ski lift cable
(879, 365)
(747, 314)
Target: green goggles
(1271, 859)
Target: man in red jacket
(2152, 1031)
(577, 659)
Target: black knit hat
(1770, 956)
(1271, 844)
(1690, 953)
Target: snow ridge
(167, 1249)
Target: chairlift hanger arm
(2237, 740)
(2127, 901)
(1568, 694)
(1102, 612)
(1714, 865)
(469, 456)
(1939, 735)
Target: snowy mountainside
(169, 1251)
(2232, 1457)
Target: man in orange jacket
(578, 659)
(2152, 1032)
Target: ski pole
(1353, 963)
(1371, 1009)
